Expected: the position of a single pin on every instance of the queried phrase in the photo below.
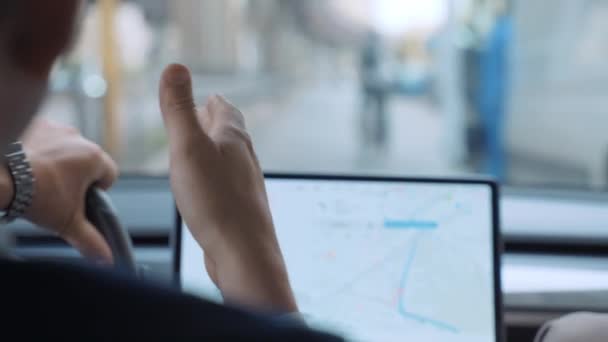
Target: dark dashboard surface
(556, 258)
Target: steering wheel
(102, 214)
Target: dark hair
(7, 9)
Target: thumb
(178, 108)
(89, 242)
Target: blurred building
(559, 87)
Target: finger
(205, 119)
(178, 108)
(89, 242)
(109, 172)
(223, 113)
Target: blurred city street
(322, 130)
(357, 86)
(316, 128)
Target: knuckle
(215, 101)
(111, 168)
(219, 103)
(45, 123)
(246, 139)
(238, 117)
(95, 152)
(235, 135)
(71, 130)
(59, 128)
(232, 116)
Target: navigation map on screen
(381, 261)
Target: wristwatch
(23, 180)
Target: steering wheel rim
(102, 214)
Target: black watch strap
(23, 181)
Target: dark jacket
(51, 302)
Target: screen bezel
(497, 243)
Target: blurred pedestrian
(373, 119)
(493, 91)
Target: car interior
(512, 91)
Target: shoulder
(73, 301)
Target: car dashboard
(553, 263)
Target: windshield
(513, 89)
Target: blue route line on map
(410, 224)
(401, 306)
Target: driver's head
(33, 33)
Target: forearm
(260, 288)
(6, 187)
(256, 279)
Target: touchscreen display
(380, 260)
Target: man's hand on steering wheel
(65, 165)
